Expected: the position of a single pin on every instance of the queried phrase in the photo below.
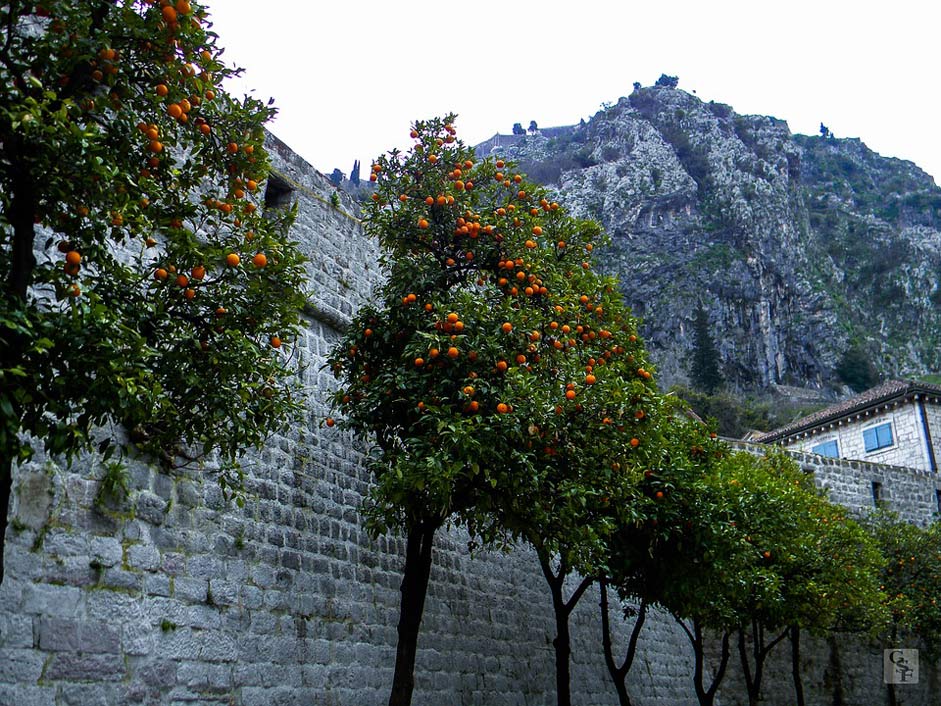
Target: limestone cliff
(798, 247)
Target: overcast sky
(350, 77)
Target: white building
(897, 423)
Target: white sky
(349, 77)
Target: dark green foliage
(856, 369)
(667, 81)
(693, 157)
(735, 415)
(704, 361)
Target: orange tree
(597, 427)
(488, 334)
(832, 584)
(652, 555)
(911, 577)
(816, 567)
(142, 287)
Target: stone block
(143, 557)
(69, 666)
(16, 631)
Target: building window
(827, 448)
(937, 499)
(878, 437)
(876, 493)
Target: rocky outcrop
(798, 247)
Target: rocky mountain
(809, 254)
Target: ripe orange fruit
(422, 223)
(419, 362)
(275, 342)
(590, 379)
(182, 280)
(473, 406)
(198, 272)
(162, 89)
(73, 257)
(156, 146)
(453, 352)
(452, 317)
(232, 260)
(189, 293)
(659, 495)
(259, 260)
(329, 421)
(432, 158)
(501, 366)
(183, 7)
(174, 110)
(507, 327)
(570, 394)
(635, 442)
(502, 408)
(537, 230)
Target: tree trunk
(619, 674)
(760, 651)
(835, 670)
(706, 696)
(414, 589)
(563, 649)
(562, 608)
(796, 666)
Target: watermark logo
(900, 666)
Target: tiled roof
(886, 392)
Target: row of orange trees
(504, 389)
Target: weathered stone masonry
(176, 597)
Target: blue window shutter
(869, 438)
(878, 437)
(827, 448)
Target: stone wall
(910, 492)
(174, 596)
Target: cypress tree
(705, 374)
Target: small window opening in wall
(937, 499)
(277, 193)
(876, 492)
